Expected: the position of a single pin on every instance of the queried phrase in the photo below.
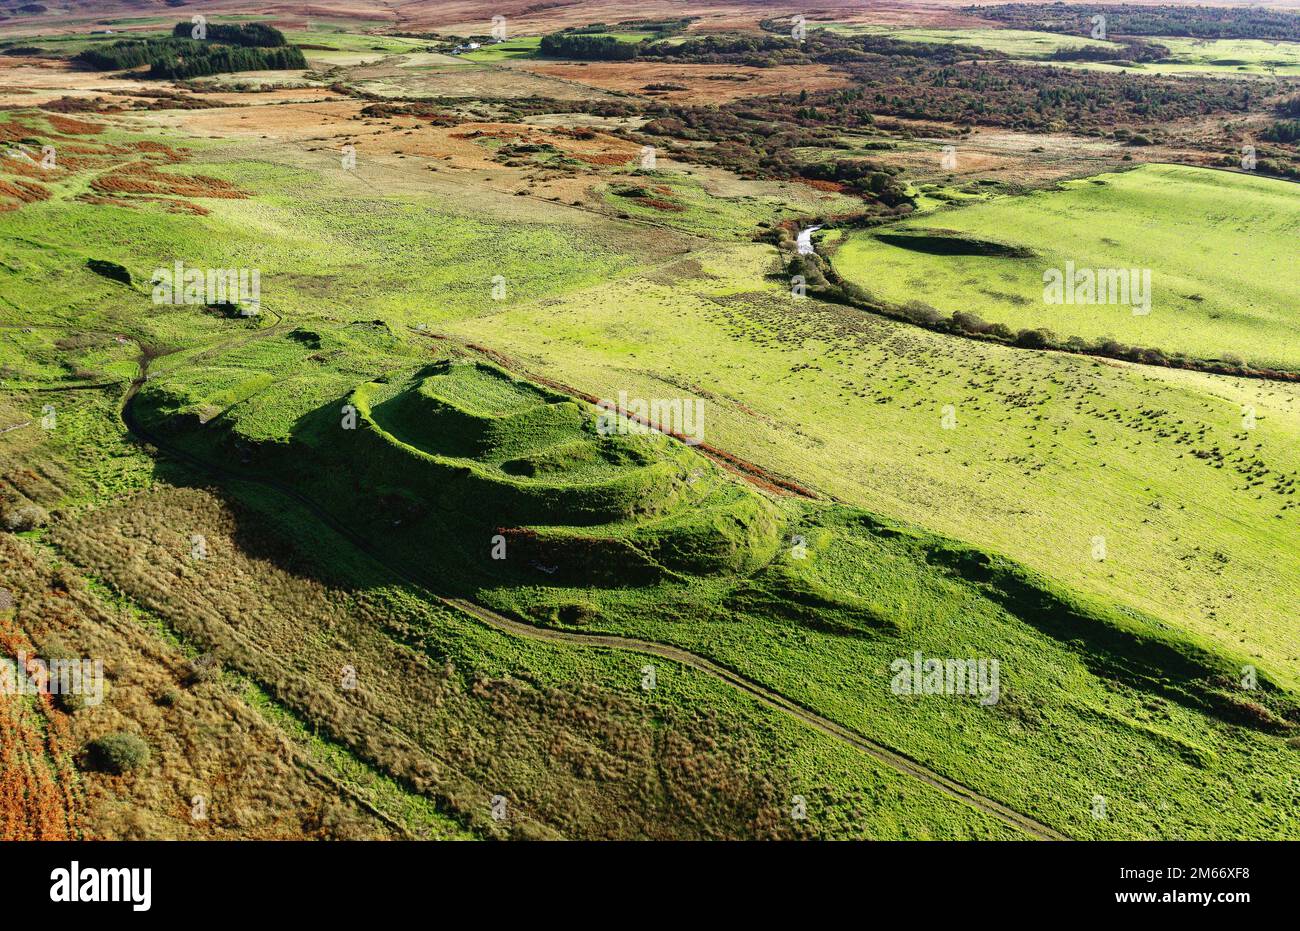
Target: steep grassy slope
(458, 452)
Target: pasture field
(1194, 68)
(354, 246)
(1216, 292)
(1155, 461)
(1216, 58)
(522, 47)
(1255, 55)
(335, 47)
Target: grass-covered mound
(1093, 698)
(457, 457)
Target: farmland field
(1213, 292)
(448, 443)
(1018, 43)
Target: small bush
(921, 313)
(118, 752)
(965, 322)
(1036, 339)
(24, 517)
(205, 668)
(168, 698)
(72, 702)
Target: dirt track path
(770, 698)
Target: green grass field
(812, 388)
(1018, 43)
(821, 622)
(522, 47)
(1257, 55)
(1216, 291)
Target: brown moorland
(702, 84)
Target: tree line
(585, 47)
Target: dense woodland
(250, 35)
(227, 49)
(819, 47)
(585, 47)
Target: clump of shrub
(18, 518)
(1036, 339)
(205, 668)
(72, 702)
(921, 313)
(168, 698)
(55, 651)
(118, 752)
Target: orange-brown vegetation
(604, 158)
(574, 759)
(204, 739)
(658, 204)
(704, 84)
(71, 127)
(585, 145)
(18, 193)
(143, 178)
(128, 173)
(832, 187)
(37, 799)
